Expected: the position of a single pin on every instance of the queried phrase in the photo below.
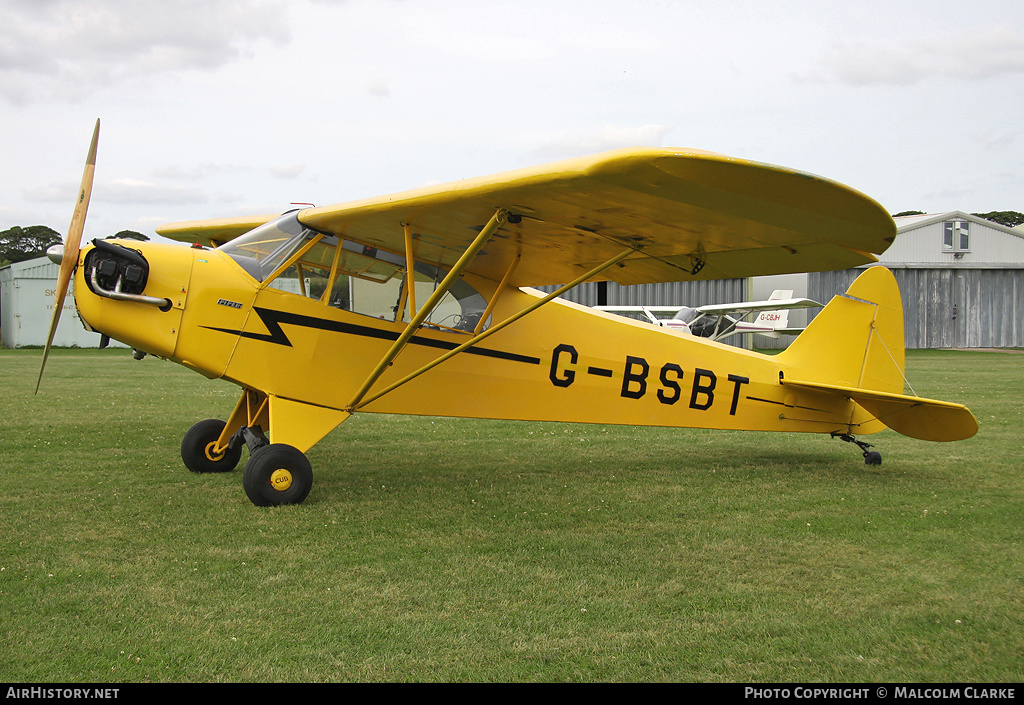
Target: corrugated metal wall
(585, 294)
(26, 308)
(948, 307)
(697, 293)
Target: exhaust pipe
(118, 273)
(118, 295)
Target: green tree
(128, 235)
(897, 215)
(18, 244)
(1010, 219)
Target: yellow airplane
(417, 303)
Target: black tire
(873, 457)
(277, 474)
(197, 449)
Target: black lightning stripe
(273, 319)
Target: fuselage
(292, 339)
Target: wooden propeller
(72, 244)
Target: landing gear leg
(871, 457)
(252, 436)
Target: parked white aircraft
(718, 321)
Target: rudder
(857, 339)
(855, 348)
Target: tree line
(18, 244)
(1010, 219)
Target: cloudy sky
(213, 108)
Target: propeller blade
(71, 246)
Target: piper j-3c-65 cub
(414, 304)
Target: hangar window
(956, 236)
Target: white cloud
(970, 53)
(196, 172)
(223, 100)
(379, 88)
(998, 140)
(131, 191)
(66, 49)
(286, 171)
(602, 140)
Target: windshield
(685, 314)
(262, 250)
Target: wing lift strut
(279, 473)
(363, 396)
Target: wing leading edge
(685, 214)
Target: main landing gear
(275, 474)
(199, 449)
(871, 457)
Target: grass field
(452, 550)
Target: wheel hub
(211, 452)
(281, 479)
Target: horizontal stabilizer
(916, 417)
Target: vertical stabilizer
(857, 339)
(854, 348)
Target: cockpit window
(351, 276)
(685, 314)
(459, 309)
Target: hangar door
(948, 308)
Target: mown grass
(438, 549)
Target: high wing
(643, 313)
(743, 307)
(213, 232)
(638, 309)
(684, 214)
(753, 306)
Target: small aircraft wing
(685, 214)
(644, 310)
(638, 309)
(647, 314)
(214, 232)
(753, 306)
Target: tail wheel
(198, 449)
(277, 474)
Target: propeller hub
(55, 253)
